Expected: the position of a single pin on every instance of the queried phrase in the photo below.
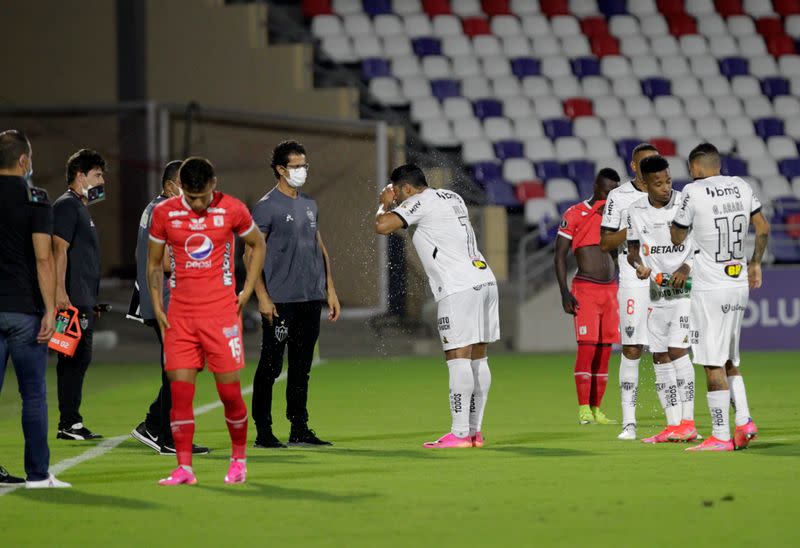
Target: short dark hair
(281, 153)
(653, 164)
(643, 147)
(83, 161)
(13, 144)
(608, 173)
(196, 173)
(702, 150)
(170, 171)
(410, 174)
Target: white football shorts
(633, 305)
(469, 317)
(668, 325)
(716, 321)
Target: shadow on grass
(533, 437)
(78, 498)
(775, 449)
(420, 453)
(527, 451)
(424, 435)
(266, 490)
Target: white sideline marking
(111, 443)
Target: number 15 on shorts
(235, 345)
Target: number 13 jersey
(718, 210)
(445, 241)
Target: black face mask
(96, 194)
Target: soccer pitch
(541, 479)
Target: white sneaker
(628, 432)
(49, 483)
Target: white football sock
(719, 405)
(628, 387)
(462, 384)
(483, 380)
(684, 374)
(739, 399)
(667, 390)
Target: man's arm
(333, 299)
(155, 281)
(635, 260)
(386, 221)
(60, 249)
(46, 274)
(265, 305)
(610, 240)
(761, 226)
(254, 240)
(678, 233)
(568, 301)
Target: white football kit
(633, 294)
(718, 210)
(462, 282)
(668, 317)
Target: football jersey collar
(214, 201)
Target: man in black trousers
(298, 278)
(154, 431)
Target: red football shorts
(191, 341)
(597, 316)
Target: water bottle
(663, 280)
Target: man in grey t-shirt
(297, 279)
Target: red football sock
(583, 368)
(182, 420)
(235, 416)
(599, 374)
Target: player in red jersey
(203, 322)
(593, 299)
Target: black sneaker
(143, 435)
(8, 479)
(77, 432)
(305, 437)
(169, 449)
(268, 441)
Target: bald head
(704, 161)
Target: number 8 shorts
(716, 322)
(633, 305)
(191, 341)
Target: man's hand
(267, 309)
(242, 300)
(680, 277)
(754, 275)
(569, 302)
(387, 197)
(47, 328)
(163, 324)
(642, 272)
(334, 306)
(62, 300)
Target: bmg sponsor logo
(717, 192)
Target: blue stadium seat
(426, 45)
(445, 87)
(580, 170)
(378, 7)
(769, 127)
(564, 206)
(656, 87)
(734, 167)
(557, 127)
(509, 148)
(625, 148)
(375, 67)
(772, 87)
(500, 192)
(549, 169)
(585, 66)
(612, 7)
(487, 108)
(526, 66)
(734, 66)
(486, 171)
(585, 188)
(789, 167)
(678, 184)
(785, 249)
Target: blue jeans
(18, 340)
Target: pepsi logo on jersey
(198, 247)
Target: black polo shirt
(72, 223)
(19, 220)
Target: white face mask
(297, 176)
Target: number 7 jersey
(718, 210)
(445, 241)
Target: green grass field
(541, 480)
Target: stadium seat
(575, 46)
(339, 49)
(722, 46)
(637, 106)
(587, 126)
(621, 26)
(377, 7)
(525, 66)
(695, 107)
(645, 66)
(789, 65)
(734, 66)
(323, 26)
(599, 147)
(603, 46)
(465, 66)
(446, 25)
(615, 66)
(580, 170)
(752, 46)
(668, 107)
(653, 25)
(549, 169)
(608, 107)
(358, 24)
(646, 127)
(583, 8)
(539, 148)
(777, 186)
(388, 25)
(456, 46)
(578, 106)
(560, 190)
(664, 45)
(456, 108)
(466, 8)
(508, 148)
(375, 67)
(654, 87)
(436, 7)
(484, 108)
(505, 26)
(438, 134)
(709, 128)
(610, 8)
(595, 86)
(475, 87)
(769, 127)
(569, 148)
(548, 107)
(485, 171)
(536, 86)
(347, 7)
(528, 190)
(486, 46)
(711, 25)
(785, 8)
(682, 24)
(470, 129)
(476, 26)
(733, 167)
(585, 66)
(786, 106)
(526, 128)
(498, 128)
(728, 8)
(417, 25)
(517, 170)
(693, 45)
(750, 146)
(505, 87)
(678, 128)
(479, 152)
(625, 147)
(496, 7)
(387, 91)
(557, 127)
(745, 86)
(666, 147)
(758, 106)
(366, 46)
(703, 66)
(551, 8)
(739, 126)
(626, 86)
(539, 209)
(516, 46)
(426, 45)
(444, 88)
(554, 66)
(728, 106)
(769, 26)
(780, 44)
(763, 66)
(619, 128)
(406, 7)
(670, 7)
(685, 87)
(395, 45)
(762, 167)
(594, 26)
(314, 8)
(495, 66)
(674, 65)
(436, 67)
(789, 168)
(565, 87)
(564, 25)
(500, 192)
(700, 7)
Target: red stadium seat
(495, 7)
(436, 7)
(316, 7)
(554, 7)
(605, 45)
(726, 8)
(780, 44)
(594, 26)
(666, 147)
(668, 8)
(681, 24)
(786, 7)
(768, 26)
(475, 26)
(793, 220)
(578, 106)
(527, 190)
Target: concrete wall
(542, 325)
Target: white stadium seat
(486, 46)
(697, 107)
(565, 87)
(653, 25)
(477, 150)
(498, 128)
(417, 24)
(709, 127)
(627, 86)
(456, 45)
(739, 126)
(438, 133)
(745, 86)
(789, 65)
(761, 167)
(545, 45)
(405, 7)
(388, 25)
(517, 170)
(554, 66)
(642, 7)
(608, 107)
(685, 86)
(751, 46)
(711, 25)
(758, 106)
(467, 8)
(506, 26)
(645, 66)
(614, 162)
(728, 106)
(594, 86)
(539, 148)
(516, 46)
(565, 25)
(741, 25)
(648, 127)
(599, 147)
(456, 108)
(323, 26)
(415, 87)
(750, 146)
(575, 46)
(446, 25)
(623, 25)
(665, 44)
(583, 8)
(524, 7)
(517, 107)
(506, 86)
(436, 66)
(538, 210)
(673, 66)
(346, 7)
(358, 24)
(570, 148)
(782, 147)
(526, 128)
(395, 45)
(757, 8)
(475, 87)
(496, 65)
(678, 128)
(775, 186)
(678, 168)
(722, 46)
(796, 187)
(426, 108)
(703, 66)
(620, 128)
(635, 44)
(668, 107)
(615, 66)
(535, 25)
(339, 49)
(465, 66)
(387, 91)
(700, 7)
(561, 190)
(637, 106)
(367, 45)
(791, 127)
(715, 86)
(468, 129)
(587, 127)
(547, 107)
(786, 106)
(536, 86)
(763, 66)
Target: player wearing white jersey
(655, 258)
(462, 283)
(633, 295)
(718, 210)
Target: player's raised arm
(761, 226)
(386, 220)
